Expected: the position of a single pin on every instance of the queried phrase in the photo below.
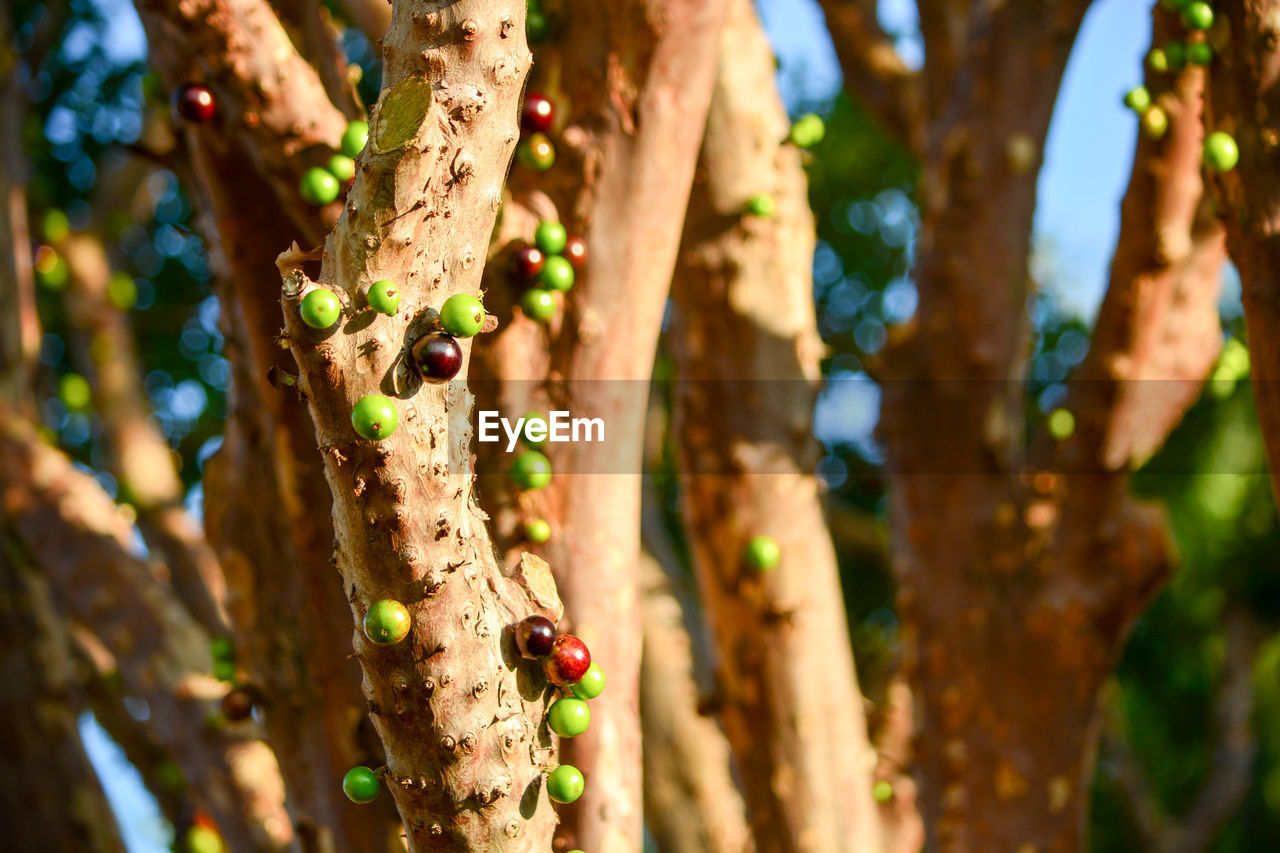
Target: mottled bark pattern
(459, 712)
(746, 352)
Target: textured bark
(50, 798)
(1244, 101)
(137, 454)
(746, 349)
(691, 803)
(284, 598)
(1157, 335)
(1017, 581)
(874, 73)
(458, 712)
(315, 36)
(632, 81)
(82, 544)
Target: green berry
(462, 315)
(1137, 98)
(52, 270)
(387, 622)
(361, 785)
(122, 290)
(592, 683)
(537, 152)
(1155, 123)
(1157, 60)
(203, 839)
(1221, 152)
(531, 470)
(224, 670)
(220, 648)
(74, 391)
(354, 139)
(762, 553)
(320, 308)
(882, 791)
(550, 237)
(56, 226)
(1199, 53)
(565, 784)
(807, 131)
(1175, 53)
(568, 717)
(318, 186)
(538, 304)
(384, 297)
(342, 167)
(1198, 16)
(374, 417)
(535, 420)
(537, 531)
(557, 274)
(761, 205)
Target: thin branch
(874, 73)
(314, 33)
(83, 545)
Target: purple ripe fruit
(194, 102)
(568, 660)
(538, 113)
(437, 357)
(237, 705)
(529, 261)
(535, 637)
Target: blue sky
(1087, 165)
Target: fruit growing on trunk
(437, 357)
(591, 684)
(531, 470)
(462, 315)
(387, 622)
(194, 102)
(575, 249)
(550, 237)
(537, 531)
(1221, 152)
(538, 304)
(568, 660)
(537, 152)
(1137, 98)
(237, 705)
(565, 784)
(568, 717)
(557, 274)
(761, 553)
(354, 139)
(318, 186)
(342, 167)
(361, 785)
(320, 308)
(529, 261)
(538, 113)
(761, 205)
(535, 637)
(374, 417)
(384, 297)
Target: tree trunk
(459, 713)
(746, 350)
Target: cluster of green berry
(567, 664)
(1220, 152)
(549, 266)
(321, 185)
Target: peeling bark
(82, 544)
(458, 712)
(746, 349)
(1244, 101)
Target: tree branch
(746, 350)
(1242, 97)
(62, 518)
(312, 31)
(137, 454)
(458, 713)
(874, 73)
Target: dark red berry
(529, 261)
(194, 102)
(237, 705)
(539, 113)
(575, 249)
(535, 636)
(438, 357)
(568, 661)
